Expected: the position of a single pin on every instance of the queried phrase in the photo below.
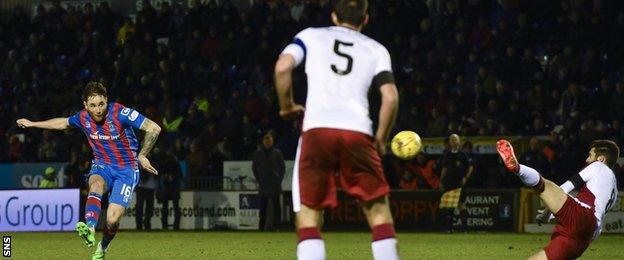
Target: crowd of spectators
(204, 73)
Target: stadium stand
(477, 68)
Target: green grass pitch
(256, 245)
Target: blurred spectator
(198, 169)
(535, 158)
(424, 170)
(600, 99)
(49, 179)
(75, 170)
(15, 149)
(417, 173)
(169, 186)
(437, 124)
(125, 32)
(479, 176)
(48, 148)
(171, 124)
(220, 152)
(144, 207)
(615, 130)
(567, 160)
(230, 125)
(615, 103)
(409, 181)
(538, 127)
(249, 132)
(572, 102)
(268, 169)
(552, 146)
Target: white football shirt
(340, 64)
(600, 190)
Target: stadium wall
(239, 176)
(202, 210)
(413, 211)
(484, 210)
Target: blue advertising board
(28, 175)
(39, 210)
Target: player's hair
(92, 89)
(608, 149)
(352, 12)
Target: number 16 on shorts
(6, 246)
(126, 191)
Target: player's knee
(379, 218)
(377, 212)
(96, 185)
(304, 221)
(553, 196)
(375, 203)
(113, 217)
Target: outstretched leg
(552, 195)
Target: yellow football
(406, 145)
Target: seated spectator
(49, 179)
(408, 180)
(198, 169)
(424, 170)
(535, 158)
(417, 173)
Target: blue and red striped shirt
(113, 141)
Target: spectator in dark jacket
(535, 158)
(169, 189)
(268, 169)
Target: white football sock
(385, 249)
(311, 249)
(529, 176)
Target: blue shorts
(120, 183)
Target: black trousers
(164, 213)
(270, 213)
(145, 198)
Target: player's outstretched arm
(60, 123)
(152, 130)
(283, 85)
(387, 115)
